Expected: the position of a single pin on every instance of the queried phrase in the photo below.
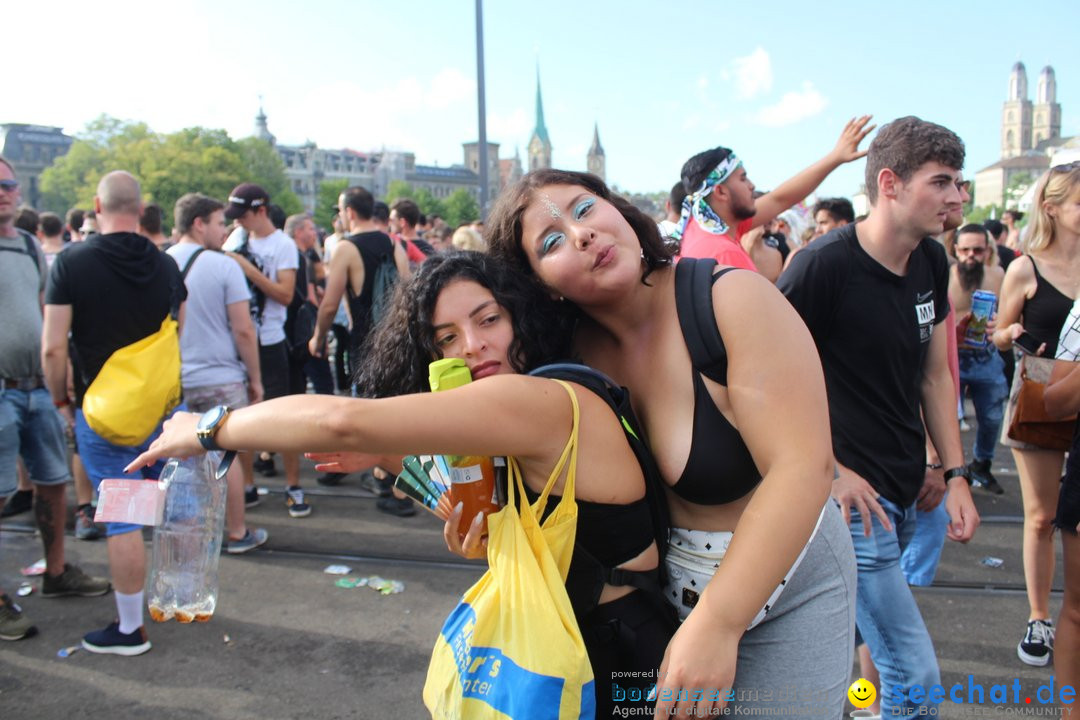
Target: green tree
(460, 208)
(1018, 185)
(428, 203)
(982, 214)
(399, 189)
(190, 160)
(326, 199)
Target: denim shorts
(32, 427)
(102, 459)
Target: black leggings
(626, 639)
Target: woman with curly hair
(471, 306)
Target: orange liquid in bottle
(472, 480)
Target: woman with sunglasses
(1036, 296)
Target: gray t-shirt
(207, 350)
(20, 330)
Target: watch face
(211, 418)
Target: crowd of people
(799, 374)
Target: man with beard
(980, 363)
(720, 206)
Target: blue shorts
(102, 459)
(31, 427)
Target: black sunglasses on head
(9, 185)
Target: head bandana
(697, 204)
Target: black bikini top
(720, 468)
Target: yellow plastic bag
(512, 648)
(138, 385)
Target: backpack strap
(30, 251)
(694, 279)
(587, 574)
(190, 262)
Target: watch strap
(955, 472)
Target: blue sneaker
(111, 641)
(251, 540)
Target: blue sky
(663, 80)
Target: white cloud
(509, 128)
(752, 74)
(793, 107)
(450, 86)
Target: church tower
(261, 130)
(595, 160)
(1016, 115)
(1047, 123)
(539, 143)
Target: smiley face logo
(862, 693)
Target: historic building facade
(1030, 136)
(30, 149)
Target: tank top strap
(1038, 275)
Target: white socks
(130, 608)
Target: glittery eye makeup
(550, 242)
(583, 207)
(552, 208)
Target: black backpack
(258, 297)
(382, 289)
(588, 575)
(693, 301)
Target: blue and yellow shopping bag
(512, 648)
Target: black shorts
(626, 639)
(1068, 508)
(274, 364)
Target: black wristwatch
(955, 472)
(210, 422)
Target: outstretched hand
(343, 462)
(177, 439)
(847, 147)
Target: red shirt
(725, 249)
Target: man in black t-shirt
(874, 296)
(109, 292)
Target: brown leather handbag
(1030, 423)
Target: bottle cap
(448, 373)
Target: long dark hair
(398, 350)
(503, 228)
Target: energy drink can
(983, 303)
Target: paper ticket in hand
(140, 502)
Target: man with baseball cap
(269, 260)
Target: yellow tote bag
(512, 648)
(138, 385)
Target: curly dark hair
(503, 230)
(398, 350)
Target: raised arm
(796, 189)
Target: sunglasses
(1067, 167)
(9, 185)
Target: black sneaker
(980, 476)
(20, 502)
(375, 486)
(265, 466)
(73, 581)
(331, 478)
(111, 641)
(401, 507)
(1038, 643)
(251, 497)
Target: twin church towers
(1024, 125)
(540, 143)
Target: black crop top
(1045, 312)
(613, 534)
(719, 468)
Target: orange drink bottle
(472, 477)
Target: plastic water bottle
(187, 544)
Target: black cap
(244, 197)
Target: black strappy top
(1045, 312)
(719, 468)
(613, 534)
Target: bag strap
(190, 262)
(694, 279)
(31, 250)
(516, 485)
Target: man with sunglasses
(30, 426)
(980, 364)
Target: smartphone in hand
(1028, 343)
